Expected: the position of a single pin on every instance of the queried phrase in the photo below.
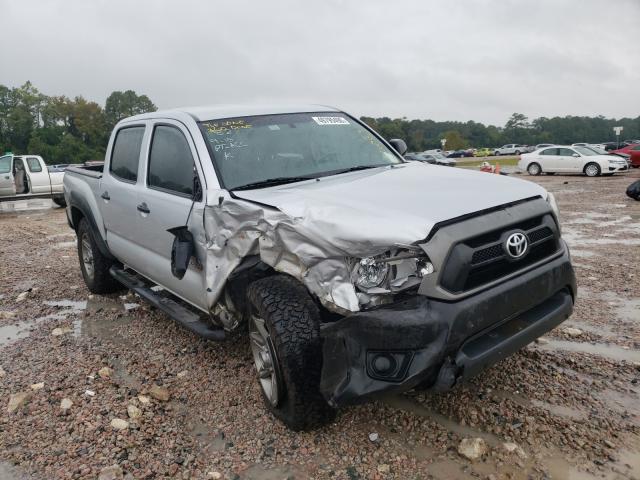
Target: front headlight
(370, 273)
(393, 271)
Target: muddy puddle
(80, 311)
(26, 205)
(564, 411)
(606, 350)
(546, 458)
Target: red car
(634, 151)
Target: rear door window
(126, 154)
(565, 152)
(171, 166)
(34, 165)
(5, 164)
(549, 151)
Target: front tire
(534, 169)
(93, 264)
(592, 169)
(284, 328)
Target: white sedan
(565, 159)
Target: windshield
(250, 150)
(587, 152)
(598, 150)
(5, 164)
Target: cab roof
(215, 112)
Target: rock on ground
(134, 412)
(18, 400)
(472, 448)
(66, 404)
(119, 424)
(159, 393)
(114, 472)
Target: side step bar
(184, 316)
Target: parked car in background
(581, 144)
(460, 154)
(570, 159)
(509, 149)
(57, 168)
(602, 151)
(484, 152)
(633, 150)
(419, 157)
(542, 145)
(440, 159)
(608, 146)
(27, 176)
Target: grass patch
(504, 161)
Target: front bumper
(433, 343)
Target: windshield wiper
(353, 169)
(270, 182)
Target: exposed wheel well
(76, 216)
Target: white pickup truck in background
(27, 176)
(510, 149)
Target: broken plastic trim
(181, 251)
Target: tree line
(422, 135)
(65, 130)
(61, 129)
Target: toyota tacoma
(351, 272)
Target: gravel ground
(170, 405)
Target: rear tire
(93, 264)
(60, 201)
(287, 349)
(517, 152)
(534, 169)
(592, 169)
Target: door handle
(105, 195)
(7, 177)
(143, 208)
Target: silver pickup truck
(27, 176)
(352, 272)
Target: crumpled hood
(386, 206)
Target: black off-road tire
(293, 322)
(100, 281)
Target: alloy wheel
(87, 254)
(265, 359)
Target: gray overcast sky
(444, 60)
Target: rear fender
(79, 208)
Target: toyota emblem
(516, 245)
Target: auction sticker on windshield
(330, 120)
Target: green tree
(120, 105)
(454, 140)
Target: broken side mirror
(398, 145)
(181, 250)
